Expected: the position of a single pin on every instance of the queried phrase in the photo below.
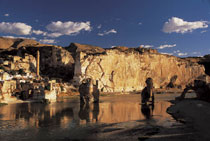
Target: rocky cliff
(55, 61)
(125, 69)
(120, 69)
(205, 61)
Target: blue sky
(178, 27)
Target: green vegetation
(2, 104)
(12, 72)
(62, 88)
(21, 72)
(2, 68)
(47, 87)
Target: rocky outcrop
(205, 61)
(89, 49)
(125, 70)
(119, 69)
(55, 61)
(8, 43)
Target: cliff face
(205, 61)
(55, 61)
(125, 70)
(119, 69)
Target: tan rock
(50, 95)
(126, 71)
(76, 47)
(7, 43)
(8, 87)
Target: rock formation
(205, 61)
(125, 70)
(8, 43)
(55, 61)
(119, 69)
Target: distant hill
(7, 43)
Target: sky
(176, 27)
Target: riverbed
(115, 117)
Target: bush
(12, 72)
(47, 87)
(62, 88)
(21, 72)
(2, 68)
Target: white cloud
(99, 26)
(176, 51)
(107, 32)
(13, 37)
(54, 35)
(196, 53)
(67, 28)
(146, 46)
(166, 53)
(178, 25)
(182, 54)
(140, 23)
(6, 15)
(39, 32)
(47, 41)
(15, 28)
(203, 31)
(166, 46)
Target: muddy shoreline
(194, 114)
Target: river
(114, 117)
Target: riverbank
(195, 114)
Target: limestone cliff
(125, 70)
(120, 69)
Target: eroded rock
(125, 70)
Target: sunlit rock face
(125, 70)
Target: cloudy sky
(177, 27)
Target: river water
(67, 119)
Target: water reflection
(85, 112)
(147, 110)
(73, 114)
